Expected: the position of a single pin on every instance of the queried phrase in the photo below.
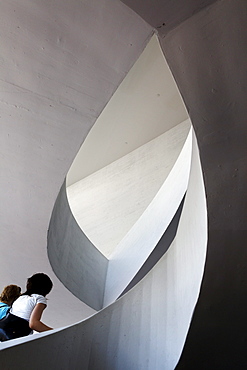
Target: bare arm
(34, 322)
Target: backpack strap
(15, 326)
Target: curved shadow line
(161, 248)
(78, 264)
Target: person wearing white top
(23, 307)
(25, 314)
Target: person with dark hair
(9, 294)
(25, 314)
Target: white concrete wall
(133, 250)
(109, 202)
(146, 104)
(146, 328)
(143, 187)
(60, 64)
(78, 264)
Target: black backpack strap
(15, 326)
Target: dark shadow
(159, 250)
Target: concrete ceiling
(166, 15)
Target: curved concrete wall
(133, 250)
(78, 264)
(207, 55)
(159, 251)
(60, 64)
(108, 203)
(75, 260)
(146, 328)
(145, 105)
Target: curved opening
(128, 153)
(124, 207)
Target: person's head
(39, 284)
(10, 293)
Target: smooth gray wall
(207, 55)
(164, 15)
(60, 64)
(78, 264)
(206, 52)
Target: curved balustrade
(60, 69)
(79, 265)
(82, 268)
(139, 242)
(146, 328)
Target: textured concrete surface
(108, 203)
(89, 275)
(80, 266)
(133, 250)
(147, 327)
(206, 51)
(167, 15)
(58, 71)
(207, 55)
(146, 103)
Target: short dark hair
(39, 283)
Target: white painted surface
(75, 260)
(109, 202)
(133, 250)
(125, 203)
(146, 328)
(60, 64)
(59, 69)
(145, 105)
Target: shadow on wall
(82, 268)
(159, 250)
(146, 328)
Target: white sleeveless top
(24, 305)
